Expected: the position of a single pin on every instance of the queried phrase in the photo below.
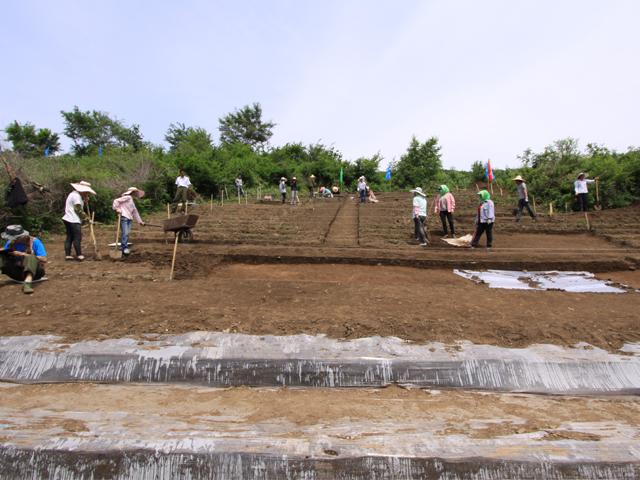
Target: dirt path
(344, 228)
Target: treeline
(113, 156)
(550, 174)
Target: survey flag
(46, 152)
(490, 176)
(388, 175)
(340, 174)
(100, 150)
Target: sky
(489, 79)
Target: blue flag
(388, 175)
(100, 151)
(46, 152)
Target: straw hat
(282, 179)
(313, 176)
(294, 178)
(586, 175)
(134, 189)
(82, 187)
(419, 191)
(14, 232)
(362, 178)
(518, 179)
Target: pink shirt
(127, 207)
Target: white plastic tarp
(567, 281)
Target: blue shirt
(38, 248)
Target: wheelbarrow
(181, 227)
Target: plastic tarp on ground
(553, 280)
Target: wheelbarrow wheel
(185, 236)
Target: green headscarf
(443, 190)
(484, 196)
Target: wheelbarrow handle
(153, 225)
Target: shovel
(114, 252)
(96, 253)
(598, 206)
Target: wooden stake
(477, 187)
(168, 211)
(186, 207)
(238, 198)
(491, 183)
(587, 217)
(246, 198)
(534, 204)
(566, 207)
(173, 261)
(550, 209)
(225, 191)
(221, 198)
(212, 202)
(501, 191)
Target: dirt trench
(343, 231)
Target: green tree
(184, 138)
(92, 130)
(478, 172)
(420, 165)
(246, 126)
(31, 143)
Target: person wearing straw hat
(74, 217)
(283, 189)
(23, 257)
(445, 205)
(362, 189)
(125, 206)
(294, 191)
(419, 214)
(311, 184)
(238, 183)
(582, 192)
(485, 218)
(523, 199)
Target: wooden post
(212, 202)
(225, 191)
(238, 198)
(566, 207)
(491, 183)
(221, 198)
(246, 196)
(168, 211)
(186, 207)
(173, 261)
(587, 217)
(534, 204)
(550, 209)
(501, 191)
(477, 187)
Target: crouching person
(23, 257)
(484, 219)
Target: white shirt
(183, 181)
(70, 214)
(283, 187)
(362, 186)
(581, 185)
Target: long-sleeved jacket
(581, 185)
(486, 212)
(362, 186)
(283, 187)
(451, 202)
(419, 206)
(127, 207)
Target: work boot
(27, 288)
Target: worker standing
(484, 219)
(74, 216)
(283, 189)
(182, 193)
(238, 183)
(362, 189)
(294, 191)
(445, 205)
(523, 199)
(582, 192)
(125, 206)
(311, 184)
(419, 215)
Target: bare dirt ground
(78, 410)
(345, 270)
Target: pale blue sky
(488, 78)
